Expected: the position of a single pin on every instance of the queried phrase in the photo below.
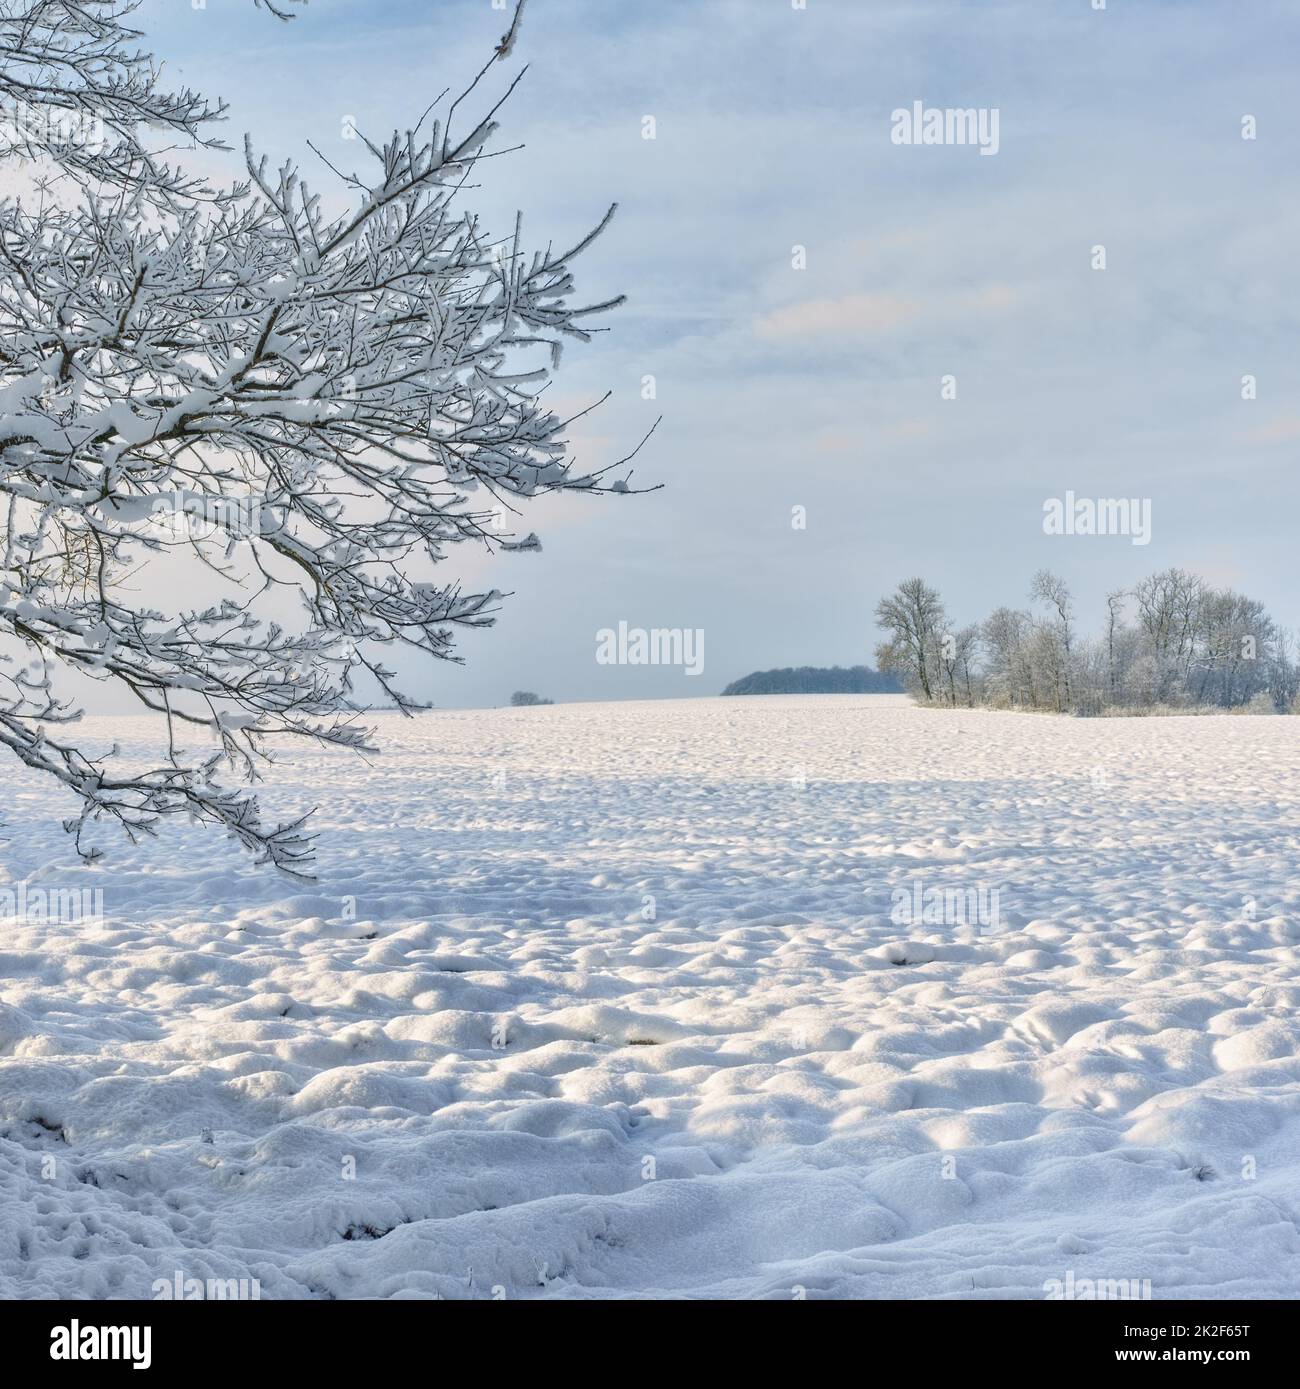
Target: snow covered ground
(611, 1000)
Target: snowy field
(614, 1000)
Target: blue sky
(820, 387)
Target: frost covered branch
(292, 411)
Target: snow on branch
(308, 408)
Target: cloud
(1281, 429)
(853, 315)
(872, 315)
(853, 441)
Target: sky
(816, 381)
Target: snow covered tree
(1191, 647)
(1004, 636)
(1057, 641)
(914, 619)
(286, 410)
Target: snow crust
(466, 1063)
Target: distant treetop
(815, 680)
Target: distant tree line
(815, 680)
(522, 699)
(1171, 642)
